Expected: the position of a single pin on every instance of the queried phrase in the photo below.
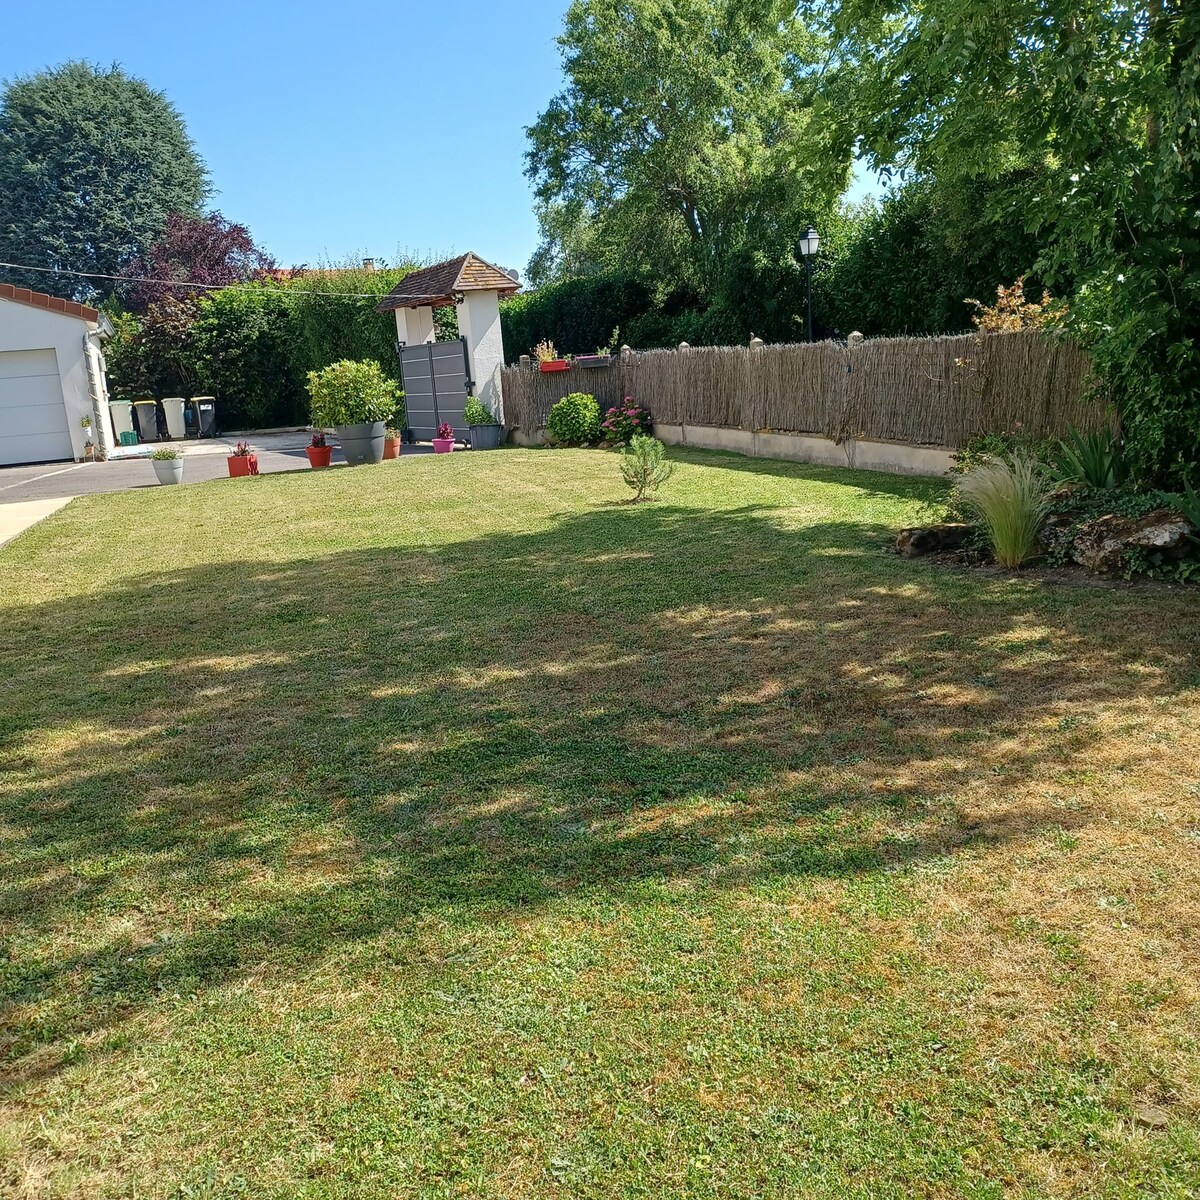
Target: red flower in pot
(319, 451)
(444, 442)
(243, 461)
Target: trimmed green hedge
(253, 345)
(578, 315)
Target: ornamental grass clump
(644, 466)
(1011, 500)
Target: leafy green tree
(905, 265)
(1101, 102)
(92, 163)
(680, 138)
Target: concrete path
(130, 467)
(16, 518)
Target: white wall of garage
(25, 328)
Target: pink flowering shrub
(623, 420)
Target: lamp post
(806, 247)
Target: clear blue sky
(338, 130)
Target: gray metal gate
(437, 380)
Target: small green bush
(478, 413)
(351, 393)
(984, 447)
(644, 465)
(624, 420)
(1011, 500)
(1092, 458)
(165, 454)
(575, 420)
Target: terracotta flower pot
(443, 445)
(242, 465)
(319, 456)
(553, 364)
(391, 447)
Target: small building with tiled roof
(53, 395)
(475, 287)
(446, 283)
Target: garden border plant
(575, 420)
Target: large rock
(931, 539)
(1101, 545)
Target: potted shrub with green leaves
(355, 400)
(242, 462)
(319, 451)
(392, 439)
(485, 431)
(444, 442)
(575, 420)
(168, 465)
(547, 357)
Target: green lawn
(447, 828)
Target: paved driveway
(203, 460)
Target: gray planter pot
(361, 443)
(168, 470)
(486, 437)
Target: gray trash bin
(205, 408)
(145, 413)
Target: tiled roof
(436, 286)
(50, 303)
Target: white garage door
(33, 418)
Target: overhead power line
(183, 283)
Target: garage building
(51, 378)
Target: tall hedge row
(578, 315)
(252, 345)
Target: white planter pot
(168, 470)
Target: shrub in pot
(575, 420)
(168, 465)
(444, 442)
(319, 451)
(392, 439)
(485, 431)
(242, 462)
(355, 399)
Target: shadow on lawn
(303, 754)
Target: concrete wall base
(896, 458)
(893, 457)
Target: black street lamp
(806, 247)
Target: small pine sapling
(644, 466)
